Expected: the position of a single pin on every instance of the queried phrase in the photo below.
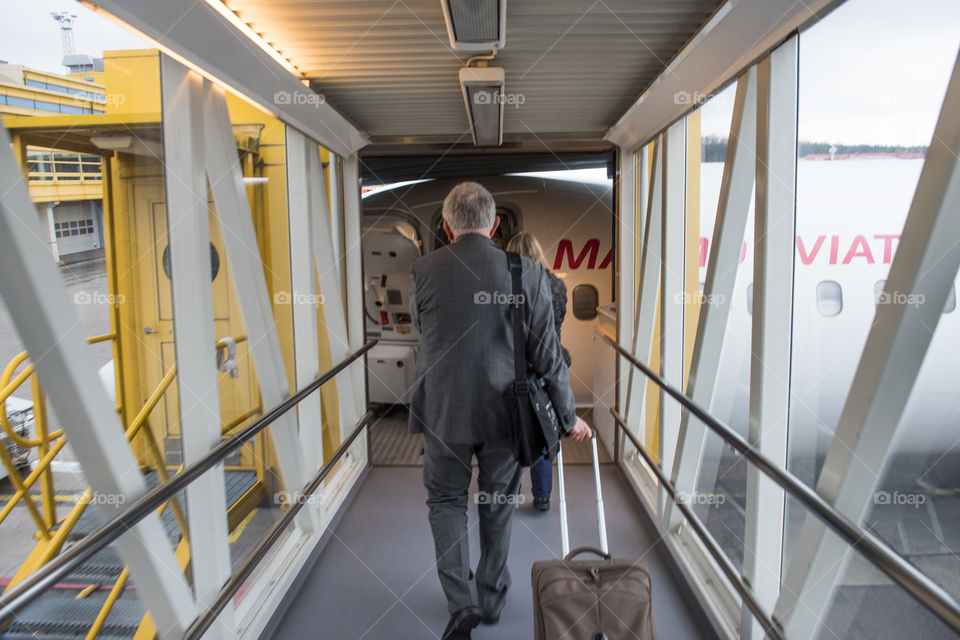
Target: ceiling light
(476, 25)
(482, 89)
(112, 141)
(231, 17)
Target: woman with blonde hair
(525, 243)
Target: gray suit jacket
(465, 365)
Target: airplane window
(829, 298)
(750, 298)
(585, 301)
(878, 291)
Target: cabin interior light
(482, 89)
(476, 25)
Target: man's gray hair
(469, 207)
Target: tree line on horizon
(714, 148)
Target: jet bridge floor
(376, 579)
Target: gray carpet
(375, 580)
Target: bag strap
(516, 311)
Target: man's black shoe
(494, 617)
(461, 623)
(541, 504)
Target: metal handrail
(926, 591)
(200, 625)
(50, 574)
(770, 626)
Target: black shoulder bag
(534, 426)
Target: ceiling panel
(572, 68)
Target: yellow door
(150, 267)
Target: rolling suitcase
(595, 598)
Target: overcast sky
(28, 35)
(873, 71)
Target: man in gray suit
(460, 299)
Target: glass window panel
(720, 488)
(15, 101)
(47, 106)
(862, 144)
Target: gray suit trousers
(447, 473)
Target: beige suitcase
(595, 598)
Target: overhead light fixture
(111, 141)
(482, 89)
(476, 25)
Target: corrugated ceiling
(572, 68)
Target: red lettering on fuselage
(809, 250)
(859, 249)
(589, 251)
(807, 258)
(887, 246)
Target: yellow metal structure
(131, 183)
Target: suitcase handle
(573, 554)
(601, 519)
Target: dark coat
(465, 363)
(558, 292)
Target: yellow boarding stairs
(98, 600)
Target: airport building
(67, 186)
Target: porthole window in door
(214, 262)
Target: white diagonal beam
(672, 246)
(188, 231)
(327, 261)
(647, 300)
(49, 328)
(353, 263)
(923, 271)
(728, 232)
(335, 214)
(240, 241)
(303, 284)
(627, 231)
(776, 169)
